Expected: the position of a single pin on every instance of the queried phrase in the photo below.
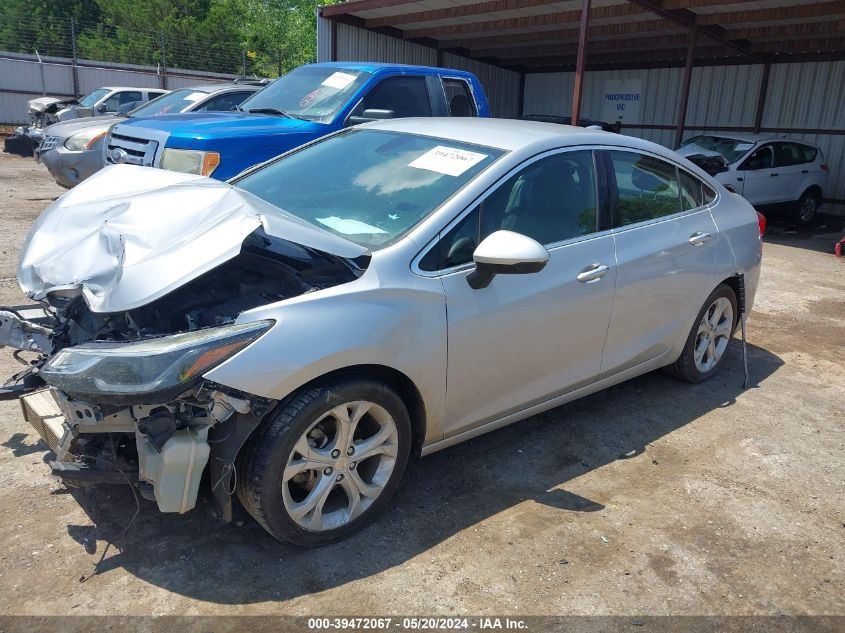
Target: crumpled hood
(696, 150)
(42, 103)
(128, 235)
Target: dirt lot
(654, 497)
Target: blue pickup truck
(307, 103)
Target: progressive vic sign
(621, 99)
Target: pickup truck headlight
(190, 161)
(85, 139)
(148, 366)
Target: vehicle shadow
(820, 236)
(198, 556)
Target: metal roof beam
(532, 21)
(687, 18)
(459, 11)
(348, 8)
(801, 11)
(570, 48)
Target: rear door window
(646, 187)
(691, 190)
(788, 154)
(459, 97)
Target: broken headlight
(168, 363)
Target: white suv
(771, 172)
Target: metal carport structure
(704, 65)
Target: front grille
(42, 412)
(130, 150)
(48, 143)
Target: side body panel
(739, 249)
(662, 281)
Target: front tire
(706, 346)
(327, 462)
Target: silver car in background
(389, 290)
(73, 150)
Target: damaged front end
(139, 300)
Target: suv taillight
(761, 222)
(824, 167)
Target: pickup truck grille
(130, 150)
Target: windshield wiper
(271, 111)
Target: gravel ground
(654, 497)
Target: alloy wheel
(807, 209)
(714, 333)
(340, 465)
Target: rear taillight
(761, 222)
(824, 167)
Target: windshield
(369, 186)
(314, 93)
(91, 98)
(170, 103)
(732, 149)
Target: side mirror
(102, 109)
(506, 253)
(371, 115)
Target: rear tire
(806, 207)
(708, 341)
(326, 462)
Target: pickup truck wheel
(805, 208)
(704, 350)
(327, 462)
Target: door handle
(773, 175)
(697, 239)
(805, 171)
(592, 273)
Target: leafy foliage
(263, 37)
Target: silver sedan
(389, 290)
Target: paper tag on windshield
(447, 160)
(194, 96)
(349, 227)
(741, 147)
(338, 81)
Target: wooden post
(580, 62)
(761, 97)
(682, 111)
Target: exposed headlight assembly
(190, 161)
(85, 139)
(165, 364)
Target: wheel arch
(400, 382)
(815, 189)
